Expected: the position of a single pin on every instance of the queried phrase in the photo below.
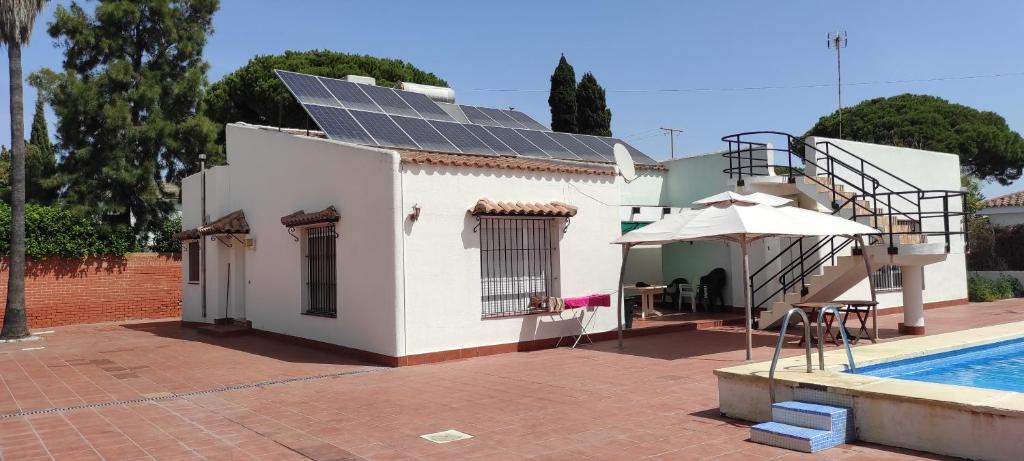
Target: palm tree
(16, 20)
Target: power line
(768, 87)
(671, 132)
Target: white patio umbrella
(740, 219)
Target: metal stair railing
(865, 199)
(807, 343)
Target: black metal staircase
(869, 194)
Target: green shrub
(985, 290)
(56, 231)
(163, 241)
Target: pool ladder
(807, 336)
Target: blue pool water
(993, 366)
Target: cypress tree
(40, 162)
(592, 114)
(563, 98)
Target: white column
(913, 299)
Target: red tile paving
(656, 400)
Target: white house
(412, 252)
(1005, 210)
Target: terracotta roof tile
(489, 207)
(301, 218)
(501, 163)
(231, 223)
(187, 234)
(1014, 199)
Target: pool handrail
(778, 347)
(842, 332)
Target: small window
(321, 273)
(888, 278)
(193, 261)
(518, 260)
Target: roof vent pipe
(436, 93)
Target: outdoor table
(812, 310)
(646, 297)
(861, 309)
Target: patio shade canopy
(754, 198)
(740, 219)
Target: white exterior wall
(272, 174)
(442, 254)
(1004, 216)
(927, 170)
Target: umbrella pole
(622, 275)
(871, 286)
(746, 294)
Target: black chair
(670, 298)
(711, 288)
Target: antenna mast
(837, 41)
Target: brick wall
(102, 289)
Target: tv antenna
(837, 41)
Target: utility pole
(837, 41)
(671, 132)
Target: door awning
(301, 218)
(231, 223)
(485, 207)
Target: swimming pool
(997, 366)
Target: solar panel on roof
(455, 111)
(307, 89)
(525, 120)
(581, 150)
(596, 144)
(492, 141)
(427, 109)
(500, 117)
(352, 112)
(637, 156)
(518, 143)
(349, 94)
(383, 129)
(389, 100)
(338, 124)
(477, 117)
(425, 135)
(464, 139)
(552, 148)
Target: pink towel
(588, 301)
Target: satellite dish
(624, 162)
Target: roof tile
(554, 209)
(1014, 199)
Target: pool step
(802, 426)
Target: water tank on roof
(360, 79)
(436, 93)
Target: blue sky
(479, 47)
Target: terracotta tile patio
(656, 400)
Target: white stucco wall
(927, 170)
(442, 253)
(647, 189)
(1004, 216)
(272, 174)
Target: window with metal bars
(517, 261)
(321, 272)
(193, 261)
(888, 278)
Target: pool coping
(791, 372)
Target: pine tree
(126, 104)
(592, 114)
(563, 98)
